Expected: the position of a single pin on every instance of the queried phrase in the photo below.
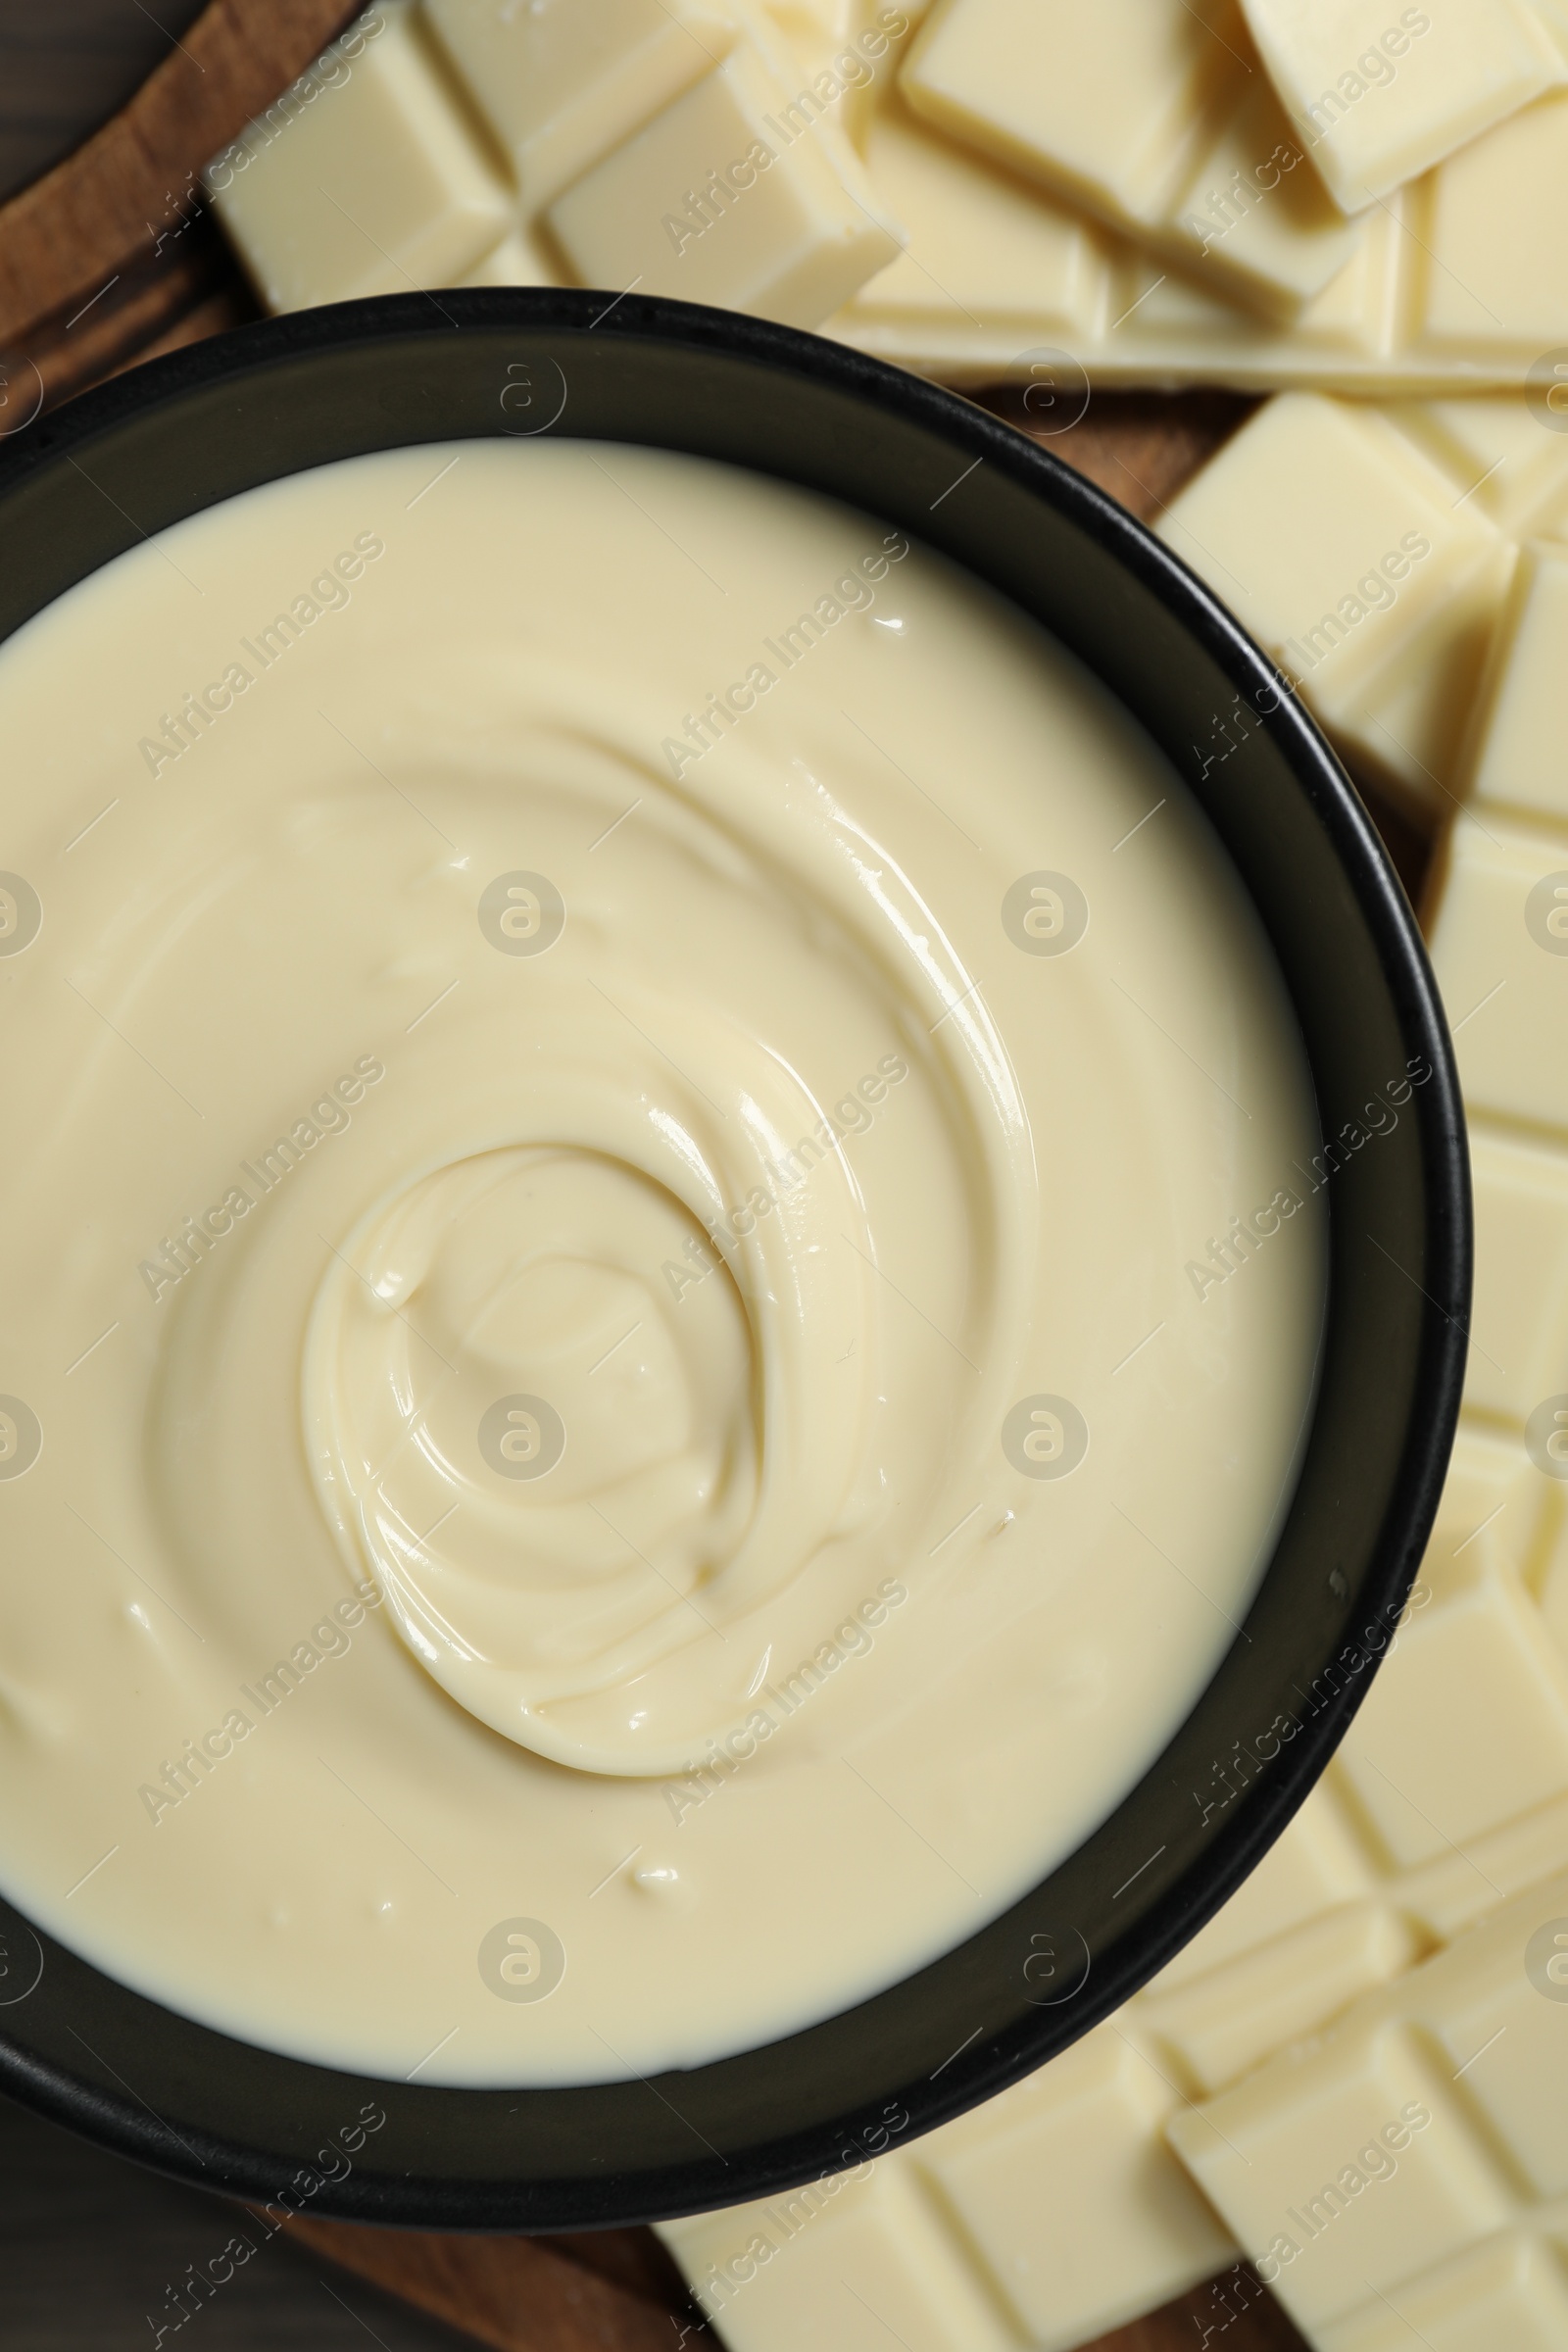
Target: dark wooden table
(90, 2248)
(93, 278)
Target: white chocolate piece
(1346, 551)
(1478, 1655)
(1089, 2126)
(1379, 96)
(1030, 271)
(1422, 2129)
(847, 38)
(1523, 721)
(1506, 993)
(374, 183)
(730, 196)
(1184, 146)
(830, 88)
(1060, 2195)
(838, 2261)
(564, 83)
(522, 258)
(1519, 1328)
(1476, 283)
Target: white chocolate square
(1446, 1896)
(1033, 91)
(1408, 728)
(1491, 261)
(836, 2264)
(1029, 269)
(1521, 758)
(1488, 460)
(860, 42)
(1330, 538)
(564, 82)
(728, 197)
(1476, 1656)
(376, 184)
(1380, 94)
(1123, 2227)
(1282, 2153)
(1346, 550)
(1506, 993)
(1165, 313)
(1519, 1327)
(1251, 215)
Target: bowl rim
(243, 361)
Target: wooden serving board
(110, 258)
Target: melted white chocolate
(566, 1103)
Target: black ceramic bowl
(186, 431)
